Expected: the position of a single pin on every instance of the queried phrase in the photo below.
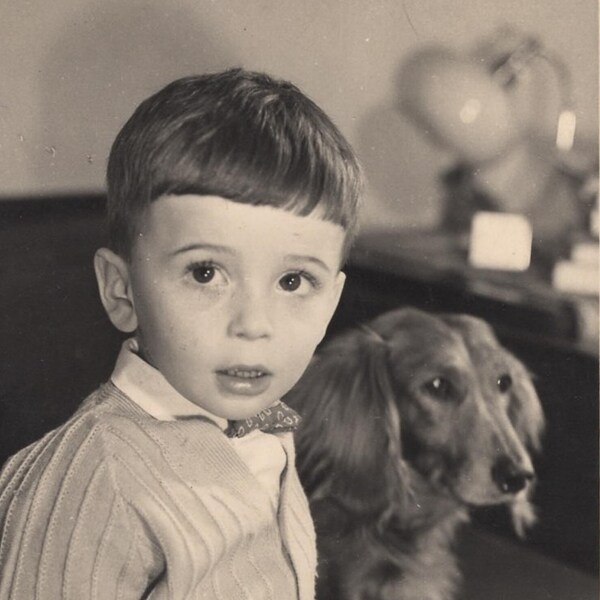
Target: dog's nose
(509, 477)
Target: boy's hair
(237, 134)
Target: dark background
(57, 345)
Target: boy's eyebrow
(308, 258)
(226, 250)
(200, 246)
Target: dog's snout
(509, 477)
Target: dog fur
(407, 424)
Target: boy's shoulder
(109, 433)
(105, 414)
(104, 423)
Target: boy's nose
(250, 316)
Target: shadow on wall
(393, 154)
(102, 64)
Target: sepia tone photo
(299, 300)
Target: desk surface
(497, 569)
(436, 258)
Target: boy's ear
(334, 300)
(114, 285)
(338, 289)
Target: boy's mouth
(244, 380)
(244, 373)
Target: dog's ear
(525, 413)
(348, 446)
(525, 409)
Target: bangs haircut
(240, 135)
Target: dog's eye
(504, 383)
(439, 388)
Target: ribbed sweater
(117, 504)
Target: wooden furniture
(57, 345)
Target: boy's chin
(243, 408)
(250, 411)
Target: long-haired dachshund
(407, 423)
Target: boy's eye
(290, 282)
(298, 280)
(203, 273)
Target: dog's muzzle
(509, 477)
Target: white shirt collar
(148, 388)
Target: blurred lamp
(464, 103)
(458, 105)
(471, 105)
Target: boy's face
(231, 300)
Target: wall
(73, 71)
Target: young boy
(232, 199)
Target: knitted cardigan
(116, 504)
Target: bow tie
(276, 419)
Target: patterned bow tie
(276, 419)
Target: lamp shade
(458, 103)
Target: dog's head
(418, 404)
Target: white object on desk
(587, 252)
(576, 277)
(500, 241)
